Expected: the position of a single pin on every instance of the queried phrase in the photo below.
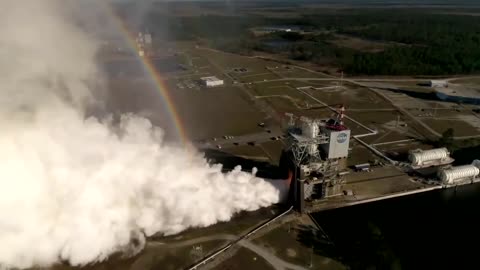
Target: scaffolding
(315, 177)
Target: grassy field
(295, 72)
(247, 151)
(273, 149)
(352, 97)
(438, 112)
(399, 151)
(279, 89)
(153, 257)
(244, 259)
(473, 81)
(266, 76)
(320, 113)
(296, 84)
(228, 61)
(203, 113)
(283, 242)
(461, 128)
(174, 258)
(214, 112)
(359, 155)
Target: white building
(338, 144)
(438, 83)
(211, 81)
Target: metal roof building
(211, 81)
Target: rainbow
(150, 69)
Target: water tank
(310, 129)
(451, 175)
(420, 157)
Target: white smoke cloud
(78, 189)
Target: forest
(420, 41)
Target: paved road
(275, 261)
(356, 81)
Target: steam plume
(78, 189)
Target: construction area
(341, 141)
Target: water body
(433, 230)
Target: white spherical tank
(420, 157)
(454, 174)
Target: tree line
(420, 42)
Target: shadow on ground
(361, 247)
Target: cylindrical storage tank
(449, 176)
(310, 129)
(418, 158)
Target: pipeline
(228, 246)
(375, 151)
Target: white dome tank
(449, 176)
(420, 157)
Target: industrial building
(429, 158)
(211, 81)
(438, 83)
(459, 94)
(316, 153)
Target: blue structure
(467, 96)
